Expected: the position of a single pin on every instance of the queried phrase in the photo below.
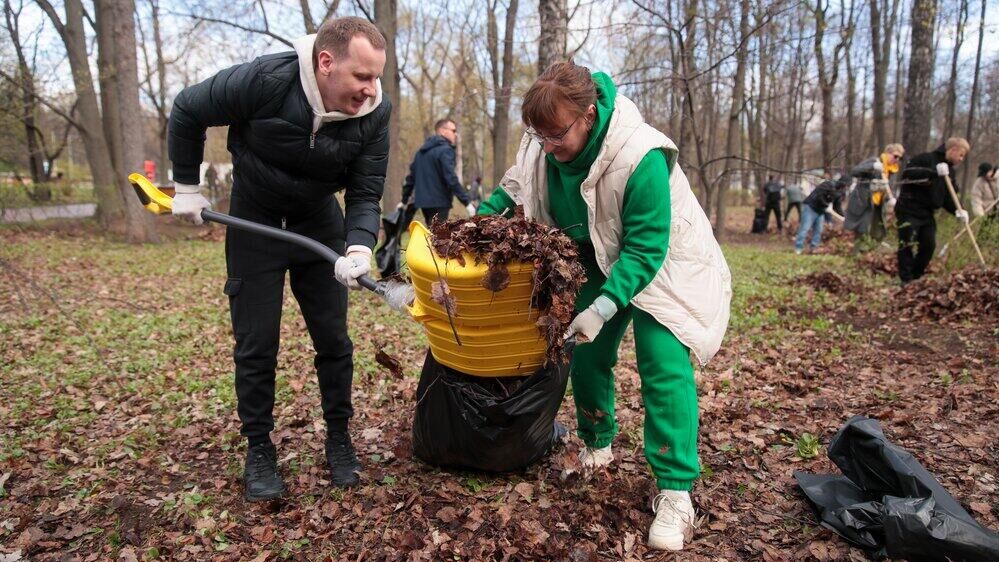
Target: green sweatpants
(668, 389)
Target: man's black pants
(256, 269)
(440, 213)
(775, 207)
(792, 205)
(915, 232)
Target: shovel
(397, 295)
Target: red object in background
(150, 168)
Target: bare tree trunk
(898, 103)
(110, 205)
(828, 74)
(25, 81)
(883, 19)
(162, 113)
(502, 89)
(554, 31)
(854, 138)
(733, 136)
(119, 80)
(962, 21)
(916, 125)
(972, 105)
(386, 18)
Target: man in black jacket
(771, 200)
(817, 204)
(302, 125)
(432, 177)
(924, 190)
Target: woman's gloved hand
(589, 322)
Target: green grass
(63, 193)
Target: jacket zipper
(312, 141)
(284, 223)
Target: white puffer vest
(692, 292)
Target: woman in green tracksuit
(591, 165)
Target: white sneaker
(797, 251)
(674, 522)
(591, 459)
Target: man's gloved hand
(879, 167)
(355, 263)
(471, 209)
(188, 202)
(961, 216)
(943, 169)
(589, 322)
(891, 203)
(400, 205)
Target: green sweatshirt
(645, 209)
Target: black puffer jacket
(923, 191)
(278, 163)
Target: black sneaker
(260, 476)
(343, 462)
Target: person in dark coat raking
(817, 204)
(302, 125)
(924, 190)
(432, 177)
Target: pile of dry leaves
(497, 241)
(964, 295)
(878, 262)
(829, 282)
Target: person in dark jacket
(302, 125)
(432, 177)
(923, 191)
(817, 204)
(771, 199)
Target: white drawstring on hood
(304, 46)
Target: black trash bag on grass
(887, 503)
(486, 423)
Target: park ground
(120, 439)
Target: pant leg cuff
(679, 485)
(598, 442)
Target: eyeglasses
(554, 140)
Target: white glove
(943, 169)
(188, 202)
(355, 263)
(589, 322)
(879, 167)
(400, 205)
(471, 209)
(829, 208)
(961, 216)
(891, 202)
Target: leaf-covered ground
(120, 439)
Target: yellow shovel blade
(153, 198)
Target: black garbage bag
(759, 221)
(483, 423)
(887, 503)
(388, 255)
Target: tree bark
(387, 21)
(733, 135)
(110, 205)
(554, 17)
(119, 80)
(916, 119)
(29, 103)
(972, 105)
(962, 21)
(501, 86)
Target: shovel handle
(280, 234)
